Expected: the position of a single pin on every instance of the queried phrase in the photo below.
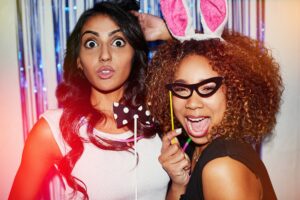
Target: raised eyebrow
(114, 32)
(97, 34)
(91, 32)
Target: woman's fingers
(168, 137)
(172, 154)
(173, 159)
(177, 166)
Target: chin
(110, 89)
(200, 139)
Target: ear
(177, 16)
(78, 61)
(214, 15)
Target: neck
(103, 101)
(197, 153)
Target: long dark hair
(74, 92)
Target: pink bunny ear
(214, 15)
(177, 16)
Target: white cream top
(114, 175)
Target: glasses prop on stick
(175, 140)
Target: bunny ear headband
(214, 16)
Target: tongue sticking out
(198, 128)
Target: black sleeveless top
(242, 152)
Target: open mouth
(105, 72)
(197, 127)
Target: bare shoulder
(41, 141)
(231, 178)
(40, 154)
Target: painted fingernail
(178, 130)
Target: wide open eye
(90, 44)
(119, 43)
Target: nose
(194, 102)
(105, 54)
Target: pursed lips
(105, 72)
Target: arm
(226, 178)
(40, 153)
(154, 28)
(176, 164)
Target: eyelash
(114, 41)
(119, 39)
(88, 41)
(209, 87)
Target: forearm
(165, 34)
(175, 192)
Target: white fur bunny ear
(177, 16)
(214, 16)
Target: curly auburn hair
(251, 77)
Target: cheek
(178, 107)
(125, 63)
(124, 73)
(124, 56)
(89, 55)
(220, 107)
(87, 63)
(87, 68)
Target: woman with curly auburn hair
(225, 95)
(96, 157)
